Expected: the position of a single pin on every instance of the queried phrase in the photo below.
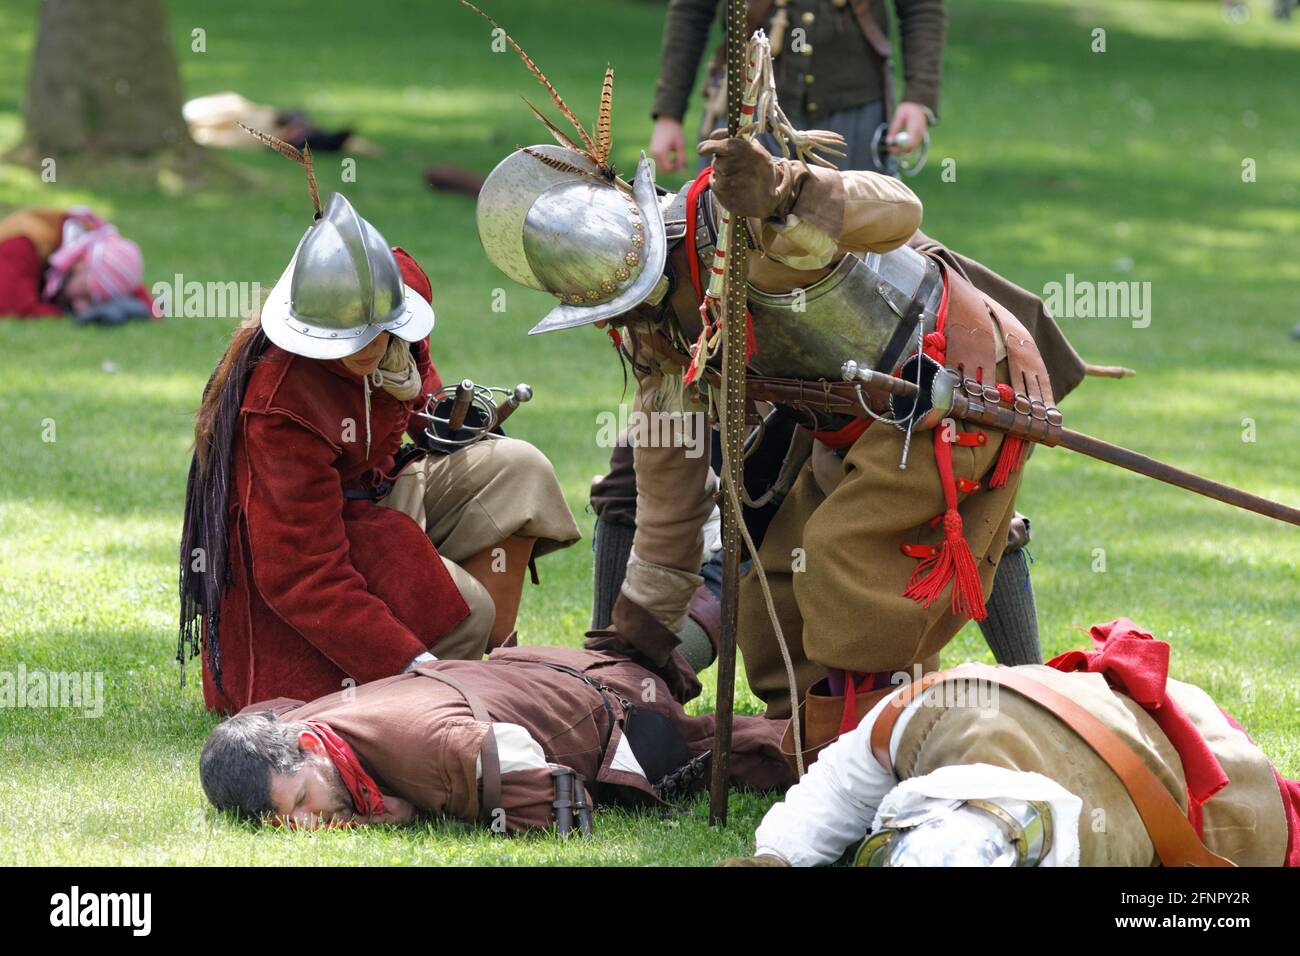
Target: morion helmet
(559, 219)
(595, 244)
(342, 289)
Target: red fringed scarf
(952, 561)
(366, 798)
(1136, 664)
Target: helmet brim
(412, 323)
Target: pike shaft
(735, 292)
(1133, 461)
(839, 397)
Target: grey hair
(240, 756)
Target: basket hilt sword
(1001, 418)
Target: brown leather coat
(417, 738)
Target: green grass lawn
(1116, 166)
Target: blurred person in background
(833, 66)
(57, 262)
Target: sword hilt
(460, 405)
(522, 393)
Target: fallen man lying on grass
(1096, 759)
(525, 739)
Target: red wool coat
(323, 588)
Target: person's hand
(744, 175)
(397, 811)
(911, 117)
(667, 145)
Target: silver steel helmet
(342, 288)
(567, 230)
(1002, 832)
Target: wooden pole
(733, 431)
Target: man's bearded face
(312, 796)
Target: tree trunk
(104, 80)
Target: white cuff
(423, 657)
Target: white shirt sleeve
(516, 750)
(833, 805)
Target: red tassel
(1012, 454)
(954, 563)
(1010, 458)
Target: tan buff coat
(1245, 822)
(832, 554)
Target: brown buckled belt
(1029, 379)
(491, 798)
(968, 331)
(1171, 833)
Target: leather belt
(883, 47)
(1171, 833)
(971, 347)
(404, 456)
(491, 760)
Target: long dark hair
(204, 562)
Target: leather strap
(488, 755)
(883, 47)
(882, 730)
(1175, 842)
(1029, 376)
(971, 345)
(905, 331)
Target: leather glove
(745, 178)
(763, 860)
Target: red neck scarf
(366, 798)
(1137, 665)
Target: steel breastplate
(866, 309)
